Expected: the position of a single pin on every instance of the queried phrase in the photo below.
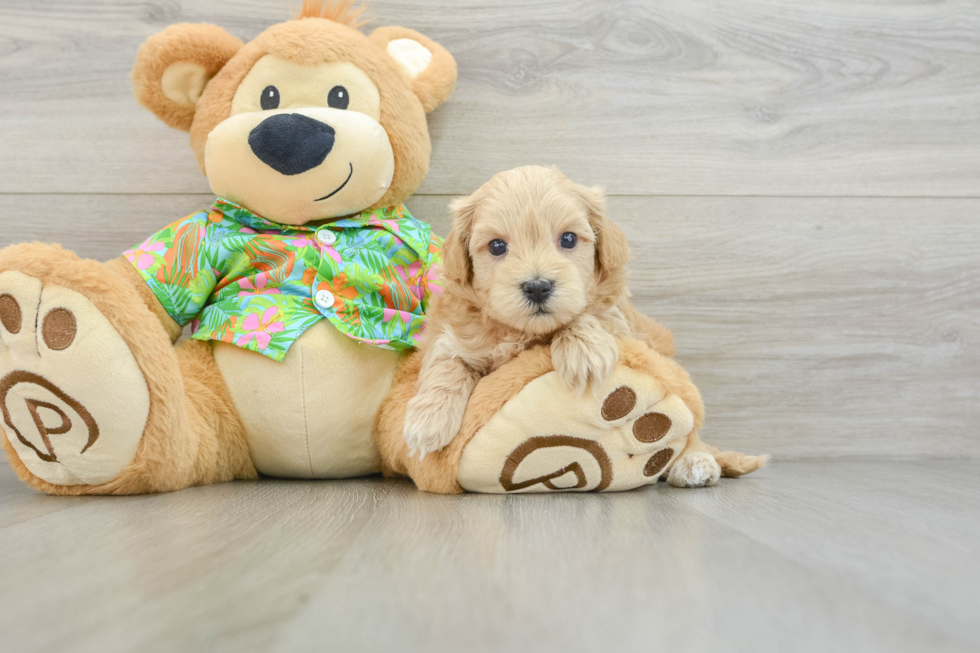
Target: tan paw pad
(549, 438)
(74, 402)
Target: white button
(326, 237)
(324, 299)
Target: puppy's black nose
(537, 290)
(291, 143)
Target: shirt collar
(374, 217)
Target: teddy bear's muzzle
(291, 143)
(296, 165)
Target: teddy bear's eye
(338, 98)
(497, 247)
(270, 98)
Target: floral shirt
(242, 279)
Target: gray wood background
(800, 182)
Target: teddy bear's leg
(94, 397)
(524, 431)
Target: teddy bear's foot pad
(74, 402)
(548, 438)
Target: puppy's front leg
(584, 353)
(435, 414)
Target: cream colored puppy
(530, 259)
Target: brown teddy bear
(304, 284)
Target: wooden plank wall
(800, 182)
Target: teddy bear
(305, 287)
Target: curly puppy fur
(485, 317)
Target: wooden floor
(805, 556)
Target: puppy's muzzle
(291, 143)
(538, 291)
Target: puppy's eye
(497, 247)
(338, 98)
(270, 98)
(568, 240)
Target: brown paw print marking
(59, 328)
(532, 445)
(619, 403)
(44, 431)
(651, 427)
(657, 462)
(10, 314)
(19, 377)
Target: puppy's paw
(584, 354)
(432, 420)
(697, 469)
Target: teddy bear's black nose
(291, 143)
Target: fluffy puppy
(530, 259)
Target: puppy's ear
(457, 265)
(611, 249)
(429, 66)
(173, 67)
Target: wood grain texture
(876, 97)
(818, 556)
(813, 327)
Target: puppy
(530, 259)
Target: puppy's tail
(735, 463)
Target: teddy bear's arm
(122, 268)
(175, 270)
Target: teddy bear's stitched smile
(339, 188)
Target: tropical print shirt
(241, 279)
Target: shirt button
(326, 237)
(324, 299)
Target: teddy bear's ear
(431, 69)
(173, 67)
